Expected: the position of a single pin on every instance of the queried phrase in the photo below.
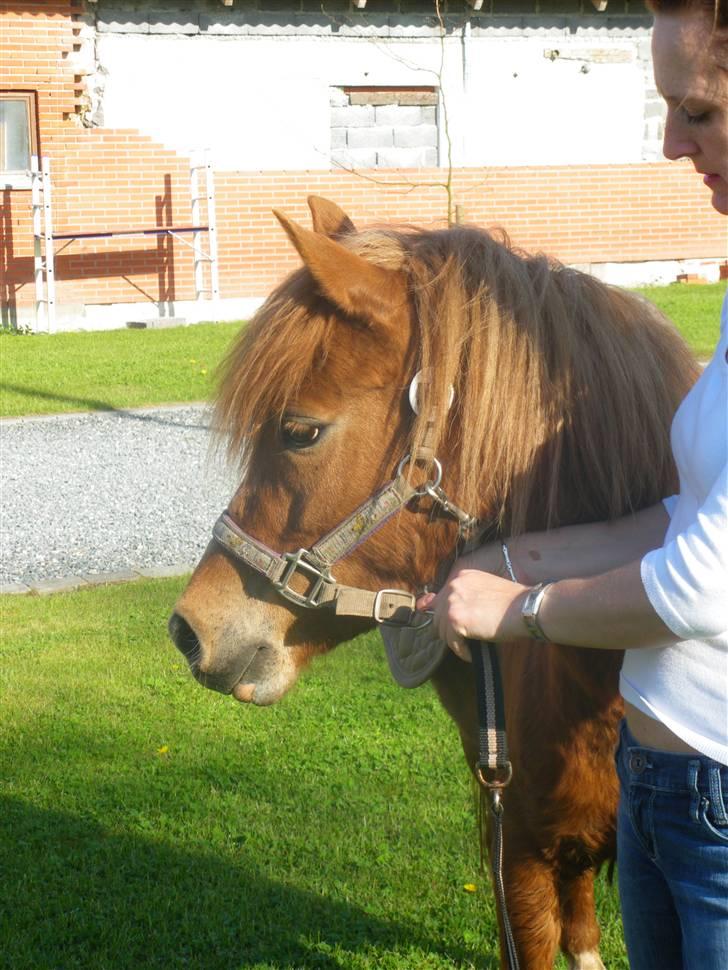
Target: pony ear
(361, 289)
(328, 219)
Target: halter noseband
(392, 607)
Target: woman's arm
(599, 600)
(610, 611)
(575, 550)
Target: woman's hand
(475, 605)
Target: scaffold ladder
(43, 249)
(44, 236)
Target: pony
(564, 392)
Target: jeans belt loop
(716, 796)
(693, 772)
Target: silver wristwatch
(530, 608)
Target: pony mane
(564, 387)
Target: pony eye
(296, 434)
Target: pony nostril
(185, 638)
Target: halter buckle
(297, 562)
(411, 606)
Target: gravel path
(106, 492)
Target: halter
(390, 607)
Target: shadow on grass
(75, 895)
(91, 405)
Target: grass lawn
(42, 374)
(130, 368)
(148, 823)
(695, 311)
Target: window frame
(21, 178)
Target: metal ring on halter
(422, 376)
(423, 489)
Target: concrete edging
(67, 584)
(10, 420)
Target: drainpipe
(466, 55)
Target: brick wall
(107, 178)
(607, 213)
(37, 40)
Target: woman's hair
(715, 10)
(716, 16)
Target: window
(17, 136)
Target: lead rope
(493, 769)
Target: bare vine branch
(448, 183)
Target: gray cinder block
(352, 116)
(374, 137)
(416, 136)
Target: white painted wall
(522, 108)
(263, 102)
(253, 108)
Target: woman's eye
(696, 119)
(296, 434)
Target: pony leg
(533, 909)
(580, 930)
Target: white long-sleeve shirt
(685, 685)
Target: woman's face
(695, 87)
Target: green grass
(130, 368)
(695, 311)
(64, 372)
(148, 823)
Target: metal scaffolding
(44, 237)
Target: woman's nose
(678, 142)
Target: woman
(654, 584)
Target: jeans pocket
(716, 833)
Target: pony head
(563, 393)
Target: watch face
(530, 611)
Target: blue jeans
(672, 858)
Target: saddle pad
(413, 655)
